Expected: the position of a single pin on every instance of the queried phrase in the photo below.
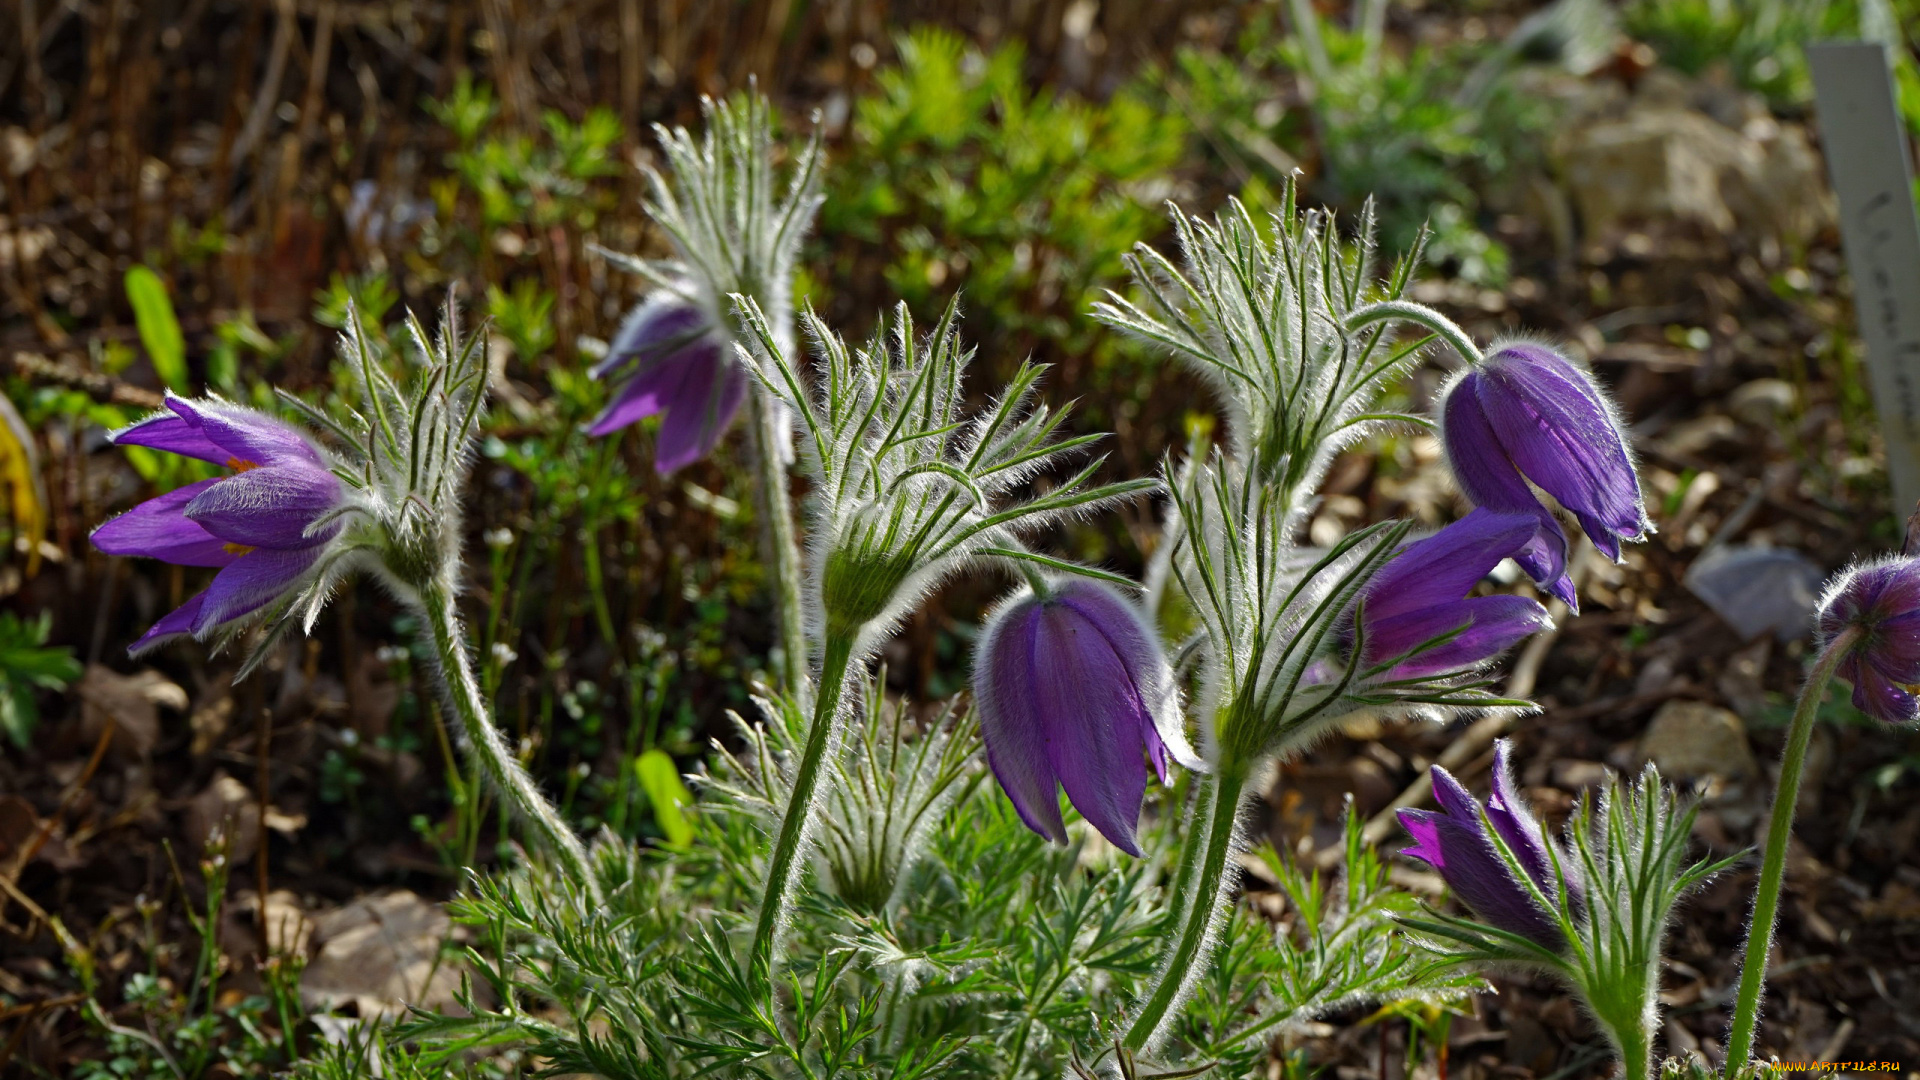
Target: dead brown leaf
(226, 806)
(381, 954)
(132, 702)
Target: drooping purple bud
(1455, 841)
(1073, 692)
(1528, 414)
(675, 362)
(1421, 595)
(1881, 602)
(264, 526)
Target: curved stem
(1766, 899)
(1201, 903)
(774, 504)
(783, 873)
(462, 693)
(1422, 315)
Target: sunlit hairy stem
(462, 692)
(1629, 1017)
(774, 505)
(1420, 315)
(1636, 1052)
(1200, 900)
(783, 873)
(1766, 898)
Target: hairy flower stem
(774, 504)
(1420, 315)
(462, 693)
(783, 873)
(1766, 898)
(1199, 902)
(1636, 1052)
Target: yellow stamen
(237, 549)
(240, 466)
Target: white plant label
(1872, 173)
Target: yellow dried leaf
(20, 473)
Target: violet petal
(173, 433)
(708, 395)
(1091, 717)
(1488, 476)
(249, 438)
(1493, 624)
(174, 624)
(157, 529)
(269, 507)
(1516, 824)
(1559, 432)
(1883, 699)
(661, 325)
(1009, 724)
(253, 581)
(1441, 568)
(1137, 646)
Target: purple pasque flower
(1526, 413)
(1455, 841)
(677, 361)
(265, 525)
(1422, 594)
(1073, 691)
(1880, 601)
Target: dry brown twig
(65, 372)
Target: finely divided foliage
(732, 231)
(889, 790)
(406, 454)
(1267, 612)
(1270, 323)
(943, 936)
(1608, 897)
(907, 488)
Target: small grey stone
(1692, 739)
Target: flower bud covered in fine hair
(1458, 841)
(1880, 602)
(1528, 414)
(265, 525)
(674, 361)
(1073, 692)
(1421, 596)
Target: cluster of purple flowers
(1063, 685)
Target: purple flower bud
(1455, 841)
(1422, 594)
(1881, 601)
(257, 525)
(1527, 414)
(676, 362)
(1073, 691)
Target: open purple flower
(264, 526)
(1422, 595)
(1455, 841)
(1073, 692)
(1527, 414)
(1881, 601)
(676, 362)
